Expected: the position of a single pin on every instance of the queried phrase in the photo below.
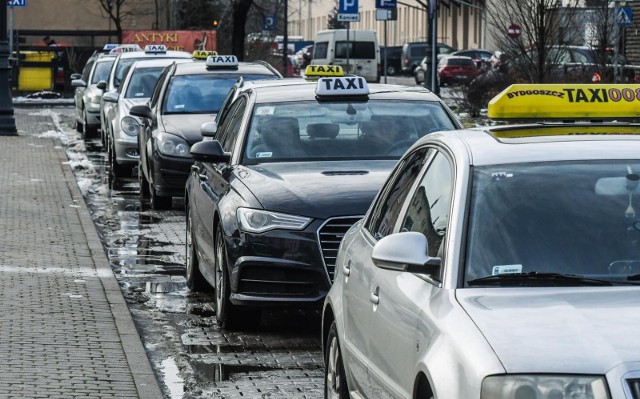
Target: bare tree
(546, 26)
(332, 20)
(118, 10)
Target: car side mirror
(405, 252)
(111, 97)
(101, 85)
(142, 111)
(78, 83)
(209, 129)
(209, 151)
(75, 76)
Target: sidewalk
(65, 329)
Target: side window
(230, 126)
(428, 211)
(320, 50)
(87, 70)
(389, 203)
(224, 107)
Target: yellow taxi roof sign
(566, 101)
(317, 71)
(203, 54)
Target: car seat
(280, 139)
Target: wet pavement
(190, 355)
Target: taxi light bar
(323, 71)
(125, 48)
(155, 48)
(566, 101)
(222, 61)
(109, 47)
(342, 86)
(203, 54)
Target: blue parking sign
(269, 22)
(348, 7)
(16, 3)
(388, 4)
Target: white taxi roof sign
(566, 101)
(203, 54)
(155, 48)
(222, 61)
(342, 86)
(125, 48)
(323, 71)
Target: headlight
(129, 125)
(258, 221)
(170, 144)
(544, 387)
(95, 98)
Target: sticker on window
(264, 154)
(506, 269)
(178, 106)
(265, 111)
(501, 176)
(139, 94)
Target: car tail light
(596, 78)
(406, 61)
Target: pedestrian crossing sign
(624, 16)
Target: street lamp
(7, 121)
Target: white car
(122, 130)
(499, 262)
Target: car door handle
(374, 297)
(202, 177)
(346, 268)
(195, 168)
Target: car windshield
(567, 218)
(142, 82)
(121, 67)
(310, 130)
(102, 71)
(201, 94)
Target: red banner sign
(184, 40)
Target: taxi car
(127, 55)
(122, 133)
(87, 95)
(500, 262)
(290, 168)
(187, 95)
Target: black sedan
(186, 96)
(289, 170)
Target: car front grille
(634, 387)
(330, 235)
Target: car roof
(487, 146)
(156, 62)
(304, 91)
(105, 57)
(142, 54)
(199, 67)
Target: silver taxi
(125, 57)
(501, 262)
(87, 94)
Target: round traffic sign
(513, 31)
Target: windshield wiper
(538, 279)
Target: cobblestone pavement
(65, 331)
(190, 355)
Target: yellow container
(36, 78)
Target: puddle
(172, 379)
(223, 372)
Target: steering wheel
(400, 145)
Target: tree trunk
(238, 20)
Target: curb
(139, 364)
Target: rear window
(361, 50)
(142, 83)
(102, 71)
(418, 50)
(460, 61)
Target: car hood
(555, 330)
(187, 126)
(316, 189)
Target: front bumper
(170, 174)
(126, 148)
(93, 114)
(285, 267)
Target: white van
(330, 48)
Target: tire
(335, 379)
(415, 75)
(116, 172)
(229, 316)
(79, 127)
(144, 188)
(157, 202)
(391, 70)
(89, 131)
(195, 280)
